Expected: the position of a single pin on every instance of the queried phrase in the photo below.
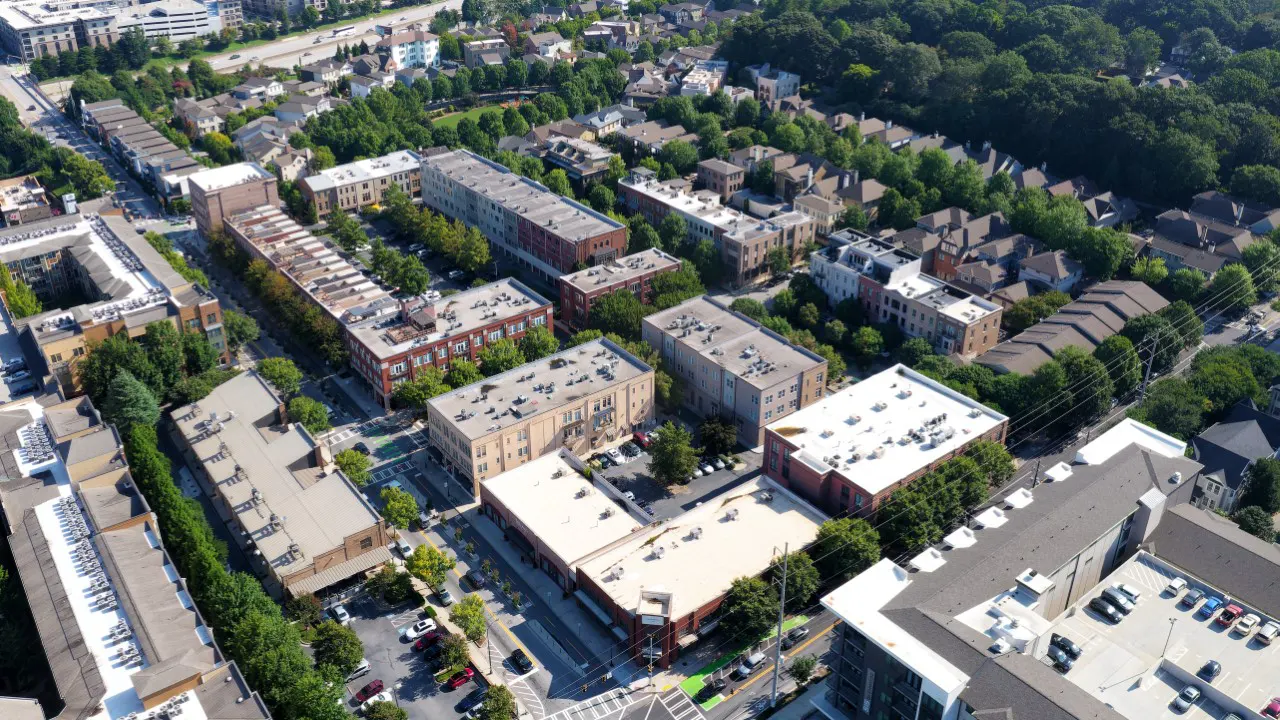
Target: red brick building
(633, 272)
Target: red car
(460, 678)
(1229, 615)
(369, 691)
(1273, 708)
(642, 439)
(427, 640)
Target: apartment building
(490, 51)
(430, 331)
(890, 286)
(35, 29)
(826, 452)
(229, 12)
(544, 232)
(177, 20)
(634, 273)
(744, 242)
(137, 144)
(721, 177)
(219, 193)
(412, 48)
(126, 283)
(23, 200)
(773, 84)
(733, 367)
(363, 182)
(305, 525)
(581, 160)
(198, 118)
(706, 77)
(113, 616)
(583, 399)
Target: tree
(1260, 183)
(1142, 52)
(673, 230)
(1150, 270)
(1172, 406)
(867, 344)
(680, 155)
(808, 315)
(240, 328)
(312, 413)
(463, 373)
(779, 260)
(802, 668)
(1124, 366)
(382, 710)
(802, 579)
(753, 309)
(398, 507)
(1262, 259)
(993, 459)
(1154, 334)
(283, 375)
(672, 457)
(304, 610)
(601, 197)
(354, 464)
(1029, 311)
(1088, 385)
(453, 650)
(749, 608)
(1186, 284)
(1233, 288)
(911, 352)
(130, 402)
(428, 383)
(1262, 485)
(844, 548)
(468, 615)
(718, 435)
(557, 181)
(619, 312)
(498, 704)
(499, 357)
(429, 565)
(1184, 319)
(1257, 522)
(537, 343)
(338, 647)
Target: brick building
(362, 183)
(219, 193)
(633, 272)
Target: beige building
(225, 191)
(23, 200)
(721, 177)
(362, 183)
(733, 367)
(36, 29)
(305, 524)
(582, 399)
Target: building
(581, 160)
(363, 182)
(1228, 449)
(114, 617)
(1199, 242)
(490, 51)
(298, 112)
(634, 273)
(228, 12)
(960, 631)
(139, 146)
(662, 587)
(960, 235)
(1051, 270)
(721, 177)
(177, 20)
(544, 232)
(706, 77)
(547, 44)
(428, 331)
(553, 515)
(1084, 323)
(773, 84)
(36, 29)
(744, 242)
(836, 453)
(221, 192)
(413, 48)
(101, 278)
(825, 212)
(304, 523)
(733, 367)
(606, 121)
(327, 72)
(582, 399)
(652, 135)
(199, 119)
(23, 200)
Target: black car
(520, 661)
(1061, 661)
(1064, 644)
(361, 448)
(710, 689)
(473, 699)
(1210, 670)
(1105, 609)
(793, 637)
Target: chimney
(862, 116)
(888, 125)
(1044, 166)
(282, 415)
(856, 175)
(323, 457)
(986, 145)
(809, 178)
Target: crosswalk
(598, 707)
(528, 697)
(387, 472)
(680, 705)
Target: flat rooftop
(544, 385)
(294, 510)
(676, 567)
(621, 270)
(559, 507)
(229, 176)
(946, 299)
(420, 321)
(707, 207)
(28, 15)
(885, 428)
(362, 171)
(735, 342)
(20, 193)
(526, 198)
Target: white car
(446, 597)
(615, 456)
(718, 463)
(706, 468)
(380, 697)
(420, 628)
(1246, 624)
(697, 472)
(340, 614)
(15, 377)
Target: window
(211, 319)
(482, 451)
(522, 435)
(366, 543)
(460, 347)
(482, 467)
(495, 336)
(522, 451)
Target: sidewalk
(351, 390)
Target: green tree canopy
(672, 457)
(312, 413)
(749, 608)
(398, 507)
(130, 402)
(499, 357)
(844, 548)
(468, 615)
(1257, 522)
(619, 312)
(429, 564)
(354, 464)
(283, 375)
(537, 343)
(802, 579)
(1262, 485)
(337, 647)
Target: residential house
(363, 85)
(991, 161)
(609, 120)
(262, 88)
(296, 88)
(292, 166)
(721, 177)
(199, 119)
(302, 109)
(1051, 270)
(548, 44)
(706, 77)
(864, 194)
(773, 84)
(994, 264)
(936, 141)
(824, 211)
(1185, 239)
(749, 158)
(582, 161)
(652, 135)
(1229, 448)
(683, 13)
(1226, 209)
(491, 51)
(959, 241)
(558, 129)
(414, 48)
(327, 72)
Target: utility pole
(1151, 356)
(1035, 479)
(777, 648)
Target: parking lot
(667, 502)
(1138, 665)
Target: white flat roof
(559, 507)
(1126, 432)
(228, 176)
(622, 269)
(364, 170)
(867, 429)
(696, 556)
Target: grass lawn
(694, 682)
(474, 113)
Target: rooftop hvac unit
(659, 551)
(619, 573)
(732, 514)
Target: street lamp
(1172, 621)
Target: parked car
(15, 377)
(1267, 633)
(369, 690)
(1062, 662)
(1192, 597)
(642, 439)
(614, 455)
(1185, 699)
(361, 670)
(473, 699)
(717, 463)
(706, 468)
(1246, 625)
(710, 689)
(631, 450)
(460, 678)
(361, 448)
(424, 520)
(404, 547)
(749, 665)
(454, 274)
(697, 472)
(1115, 597)
(794, 636)
(1229, 615)
(444, 596)
(1106, 609)
(1272, 710)
(420, 628)
(1210, 670)
(1209, 607)
(476, 578)
(340, 614)
(1064, 644)
(1129, 591)
(15, 364)
(380, 697)
(520, 661)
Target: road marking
(528, 696)
(814, 637)
(617, 696)
(684, 705)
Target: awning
(688, 640)
(585, 601)
(340, 572)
